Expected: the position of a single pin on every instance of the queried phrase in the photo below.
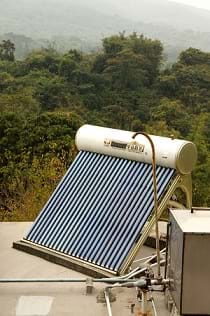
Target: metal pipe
(153, 304)
(67, 280)
(145, 268)
(142, 259)
(120, 279)
(138, 272)
(167, 245)
(155, 195)
(41, 280)
(154, 256)
(144, 303)
(140, 283)
(108, 305)
(148, 257)
(128, 275)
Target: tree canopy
(47, 96)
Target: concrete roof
(54, 299)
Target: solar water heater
(103, 209)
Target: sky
(205, 4)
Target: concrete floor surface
(54, 299)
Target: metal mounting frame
(184, 182)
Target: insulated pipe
(141, 283)
(155, 194)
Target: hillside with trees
(47, 96)
(68, 24)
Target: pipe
(167, 245)
(138, 272)
(120, 279)
(108, 305)
(154, 256)
(153, 304)
(145, 268)
(149, 257)
(142, 259)
(68, 280)
(144, 303)
(141, 283)
(155, 195)
(176, 204)
(128, 275)
(41, 280)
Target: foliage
(71, 24)
(130, 62)
(31, 146)
(47, 96)
(7, 49)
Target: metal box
(189, 261)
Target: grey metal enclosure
(189, 261)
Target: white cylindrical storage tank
(172, 153)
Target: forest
(81, 24)
(47, 96)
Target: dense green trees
(47, 96)
(7, 50)
(130, 62)
(35, 151)
(187, 86)
(189, 80)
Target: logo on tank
(127, 146)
